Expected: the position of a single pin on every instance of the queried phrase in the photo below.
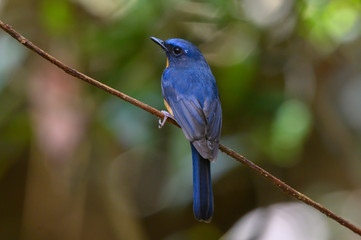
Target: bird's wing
(200, 122)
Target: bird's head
(180, 52)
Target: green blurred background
(79, 163)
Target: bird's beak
(160, 43)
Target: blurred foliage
(77, 163)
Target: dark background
(79, 163)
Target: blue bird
(191, 97)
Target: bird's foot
(166, 116)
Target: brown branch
(283, 186)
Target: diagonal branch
(280, 184)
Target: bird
(191, 97)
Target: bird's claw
(162, 121)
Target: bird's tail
(202, 187)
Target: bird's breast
(168, 107)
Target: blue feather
(202, 187)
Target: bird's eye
(177, 51)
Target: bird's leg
(162, 121)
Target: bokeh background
(78, 163)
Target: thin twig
(283, 186)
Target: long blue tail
(202, 188)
